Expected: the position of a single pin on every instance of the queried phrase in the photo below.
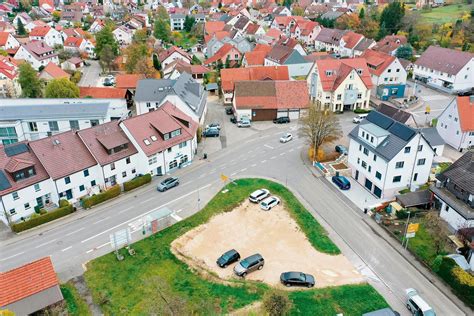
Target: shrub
(41, 219)
(137, 182)
(402, 214)
(43, 211)
(437, 263)
(361, 111)
(199, 134)
(101, 197)
(276, 303)
(460, 281)
(63, 203)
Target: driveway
(91, 75)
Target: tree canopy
(405, 51)
(391, 19)
(61, 88)
(30, 84)
(188, 23)
(106, 37)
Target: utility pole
(406, 231)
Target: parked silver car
(249, 264)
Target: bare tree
(438, 231)
(319, 127)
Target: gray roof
(459, 206)
(432, 136)
(411, 199)
(364, 44)
(43, 111)
(394, 112)
(461, 172)
(177, 16)
(332, 15)
(190, 91)
(212, 86)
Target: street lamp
(406, 231)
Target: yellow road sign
(428, 109)
(413, 228)
(224, 177)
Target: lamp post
(406, 231)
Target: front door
(69, 194)
(377, 191)
(39, 201)
(368, 184)
(158, 171)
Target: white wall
(453, 218)
(449, 129)
(463, 80)
(78, 179)
(120, 167)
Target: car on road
(249, 264)
(297, 278)
(233, 119)
(341, 149)
(229, 110)
(342, 182)
(243, 123)
(109, 81)
(416, 305)
(214, 125)
(259, 195)
(211, 132)
(286, 138)
(269, 202)
(282, 120)
(359, 118)
(168, 183)
(227, 258)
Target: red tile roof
(390, 43)
(167, 53)
(466, 113)
(351, 39)
(212, 27)
(55, 71)
(4, 38)
(40, 31)
(271, 94)
(252, 28)
(182, 66)
(377, 61)
(68, 146)
(27, 280)
(274, 33)
(127, 81)
(8, 67)
(231, 75)
(221, 53)
(72, 41)
(255, 58)
(102, 93)
(218, 35)
(106, 136)
(165, 119)
(340, 69)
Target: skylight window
(147, 142)
(153, 138)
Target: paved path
(91, 75)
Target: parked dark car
(342, 182)
(168, 184)
(282, 120)
(341, 149)
(249, 264)
(229, 110)
(297, 278)
(233, 119)
(211, 132)
(227, 258)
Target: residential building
(390, 44)
(9, 85)
(177, 21)
(215, 44)
(37, 54)
(340, 84)
(388, 74)
(281, 55)
(53, 71)
(185, 93)
(25, 119)
(227, 53)
(80, 45)
(386, 156)
(344, 43)
(265, 100)
(172, 54)
(447, 69)
(8, 41)
(165, 139)
(176, 68)
(456, 123)
(454, 193)
(257, 56)
(47, 35)
(397, 114)
(123, 35)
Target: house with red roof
(37, 54)
(286, 23)
(226, 53)
(212, 27)
(340, 84)
(230, 76)
(165, 139)
(8, 41)
(104, 93)
(388, 74)
(456, 123)
(390, 44)
(9, 85)
(257, 56)
(80, 45)
(34, 24)
(176, 68)
(345, 43)
(73, 63)
(283, 55)
(173, 53)
(265, 100)
(128, 81)
(30, 288)
(306, 31)
(53, 71)
(123, 35)
(46, 34)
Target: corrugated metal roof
(54, 111)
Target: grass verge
(445, 14)
(75, 304)
(143, 283)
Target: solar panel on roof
(13, 150)
(4, 183)
(379, 119)
(402, 131)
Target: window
(67, 180)
(93, 183)
(359, 96)
(363, 134)
(420, 147)
(371, 139)
(370, 169)
(173, 164)
(182, 145)
(364, 164)
(390, 70)
(33, 126)
(86, 173)
(94, 122)
(339, 97)
(455, 119)
(7, 131)
(367, 136)
(169, 149)
(407, 150)
(457, 132)
(398, 69)
(12, 211)
(112, 166)
(152, 160)
(27, 206)
(366, 151)
(124, 174)
(133, 170)
(397, 179)
(421, 162)
(375, 158)
(147, 142)
(15, 195)
(358, 160)
(176, 133)
(399, 164)
(37, 187)
(74, 125)
(81, 188)
(378, 175)
(127, 161)
(415, 177)
(153, 138)
(166, 136)
(53, 126)
(360, 147)
(148, 104)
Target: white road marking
(281, 154)
(273, 157)
(76, 231)
(45, 243)
(290, 150)
(176, 217)
(243, 169)
(180, 210)
(127, 209)
(233, 174)
(148, 212)
(89, 251)
(101, 220)
(147, 200)
(263, 161)
(13, 256)
(250, 151)
(254, 165)
(103, 245)
(65, 249)
(268, 146)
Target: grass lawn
(445, 14)
(75, 304)
(133, 286)
(186, 41)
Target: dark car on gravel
(297, 278)
(282, 120)
(227, 258)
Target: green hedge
(463, 290)
(137, 182)
(361, 111)
(41, 219)
(101, 197)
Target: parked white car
(243, 123)
(269, 202)
(259, 195)
(359, 118)
(286, 138)
(416, 305)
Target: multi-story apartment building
(386, 156)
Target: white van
(416, 305)
(359, 118)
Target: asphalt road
(91, 75)
(85, 235)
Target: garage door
(294, 114)
(282, 113)
(264, 115)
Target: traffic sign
(224, 177)
(413, 227)
(410, 235)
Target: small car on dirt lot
(416, 305)
(243, 123)
(269, 202)
(297, 278)
(211, 132)
(227, 258)
(282, 120)
(342, 182)
(286, 138)
(168, 183)
(249, 264)
(258, 195)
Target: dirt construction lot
(273, 234)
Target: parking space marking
(233, 174)
(281, 154)
(124, 210)
(147, 200)
(254, 165)
(268, 146)
(290, 150)
(89, 251)
(273, 157)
